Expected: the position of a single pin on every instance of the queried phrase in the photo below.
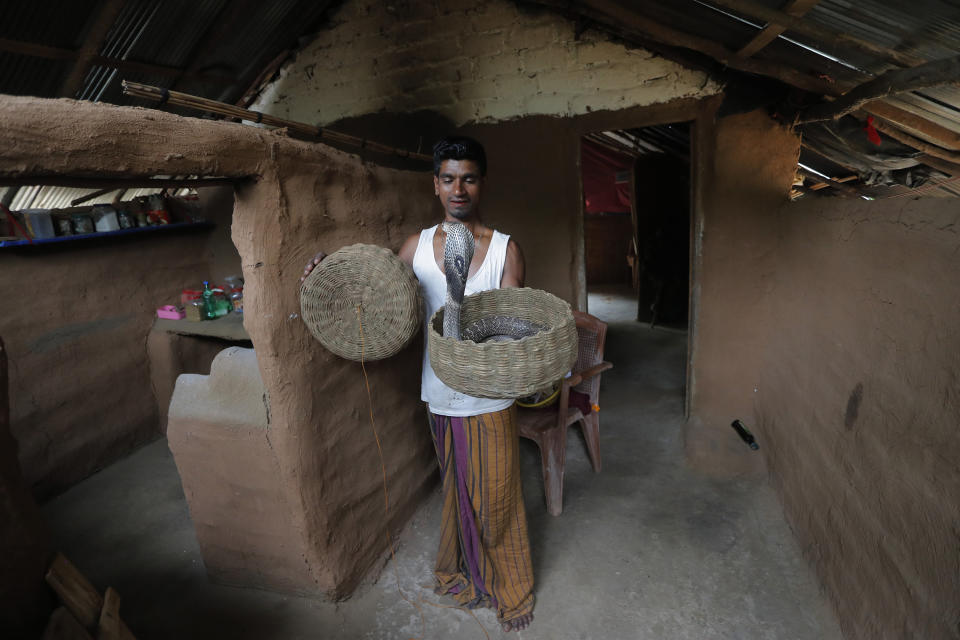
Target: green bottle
(209, 304)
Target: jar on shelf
(82, 223)
(236, 299)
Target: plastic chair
(548, 427)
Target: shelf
(229, 327)
(105, 234)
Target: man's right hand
(317, 259)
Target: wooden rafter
(91, 47)
(917, 143)
(836, 184)
(823, 185)
(56, 53)
(821, 34)
(628, 22)
(929, 74)
(915, 125)
(795, 8)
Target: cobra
(457, 255)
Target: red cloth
(872, 134)
(600, 166)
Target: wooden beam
(795, 8)
(824, 185)
(36, 50)
(91, 47)
(839, 186)
(110, 184)
(915, 124)
(952, 169)
(55, 53)
(916, 143)
(63, 626)
(892, 82)
(76, 202)
(621, 19)
(823, 35)
(108, 627)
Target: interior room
(741, 216)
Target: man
(484, 555)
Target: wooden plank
(930, 109)
(916, 124)
(821, 34)
(36, 50)
(75, 591)
(889, 83)
(108, 628)
(626, 21)
(92, 45)
(63, 626)
(916, 143)
(839, 186)
(824, 185)
(795, 8)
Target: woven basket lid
(365, 284)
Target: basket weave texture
(380, 284)
(510, 369)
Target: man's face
(458, 186)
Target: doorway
(636, 202)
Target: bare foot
(517, 624)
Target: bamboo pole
(166, 96)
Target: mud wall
(76, 324)
(743, 167)
(859, 404)
(301, 198)
(471, 62)
(829, 326)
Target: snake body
(457, 255)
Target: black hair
(459, 148)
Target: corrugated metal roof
(180, 35)
(236, 39)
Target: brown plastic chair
(548, 427)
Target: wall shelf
(23, 242)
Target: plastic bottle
(209, 304)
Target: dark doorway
(636, 190)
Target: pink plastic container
(171, 312)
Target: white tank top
(440, 398)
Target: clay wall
(743, 168)
(471, 62)
(829, 326)
(76, 324)
(301, 197)
(858, 405)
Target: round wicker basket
(510, 369)
(373, 280)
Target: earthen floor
(647, 549)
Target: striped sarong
(484, 555)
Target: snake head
(457, 253)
